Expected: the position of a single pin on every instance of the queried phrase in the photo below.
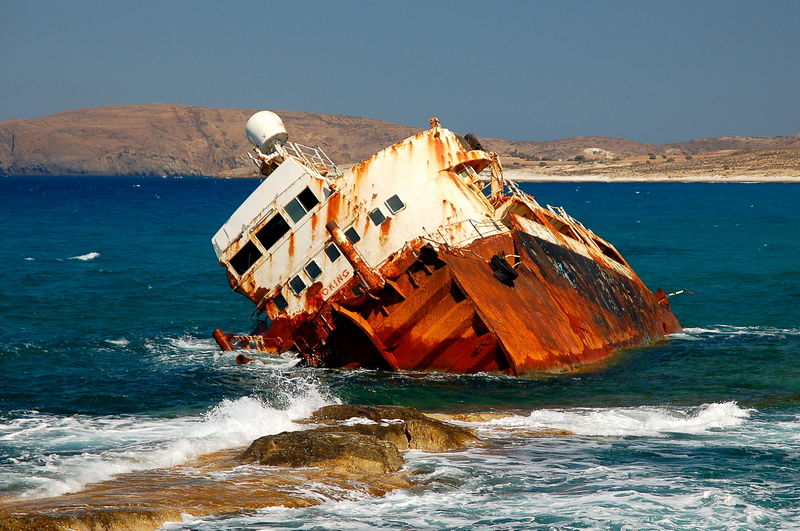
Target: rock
(391, 432)
(420, 431)
(167, 139)
(335, 451)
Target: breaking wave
(85, 257)
(63, 454)
(695, 333)
(643, 421)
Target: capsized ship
(411, 260)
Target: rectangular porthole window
(333, 252)
(395, 204)
(245, 258)
(272, 231)
(280, 302)
(313, 270)
(295, 210)
(308, 199)
(297, 285)
(352, 235)
(377, 216)
(301, 205)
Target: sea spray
(85, 257)
(66, 453)
(643, 421)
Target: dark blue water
(110, 289)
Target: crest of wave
(116, 445)
(630, 421)
(85, 257)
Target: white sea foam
(65, 453)
(635, 421)
(85, 257)
(695, 333)
(191, 343)
(354, 421)
(121, 342)
(29, 259)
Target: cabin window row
(273, 230)
(312, 268)
(394, 204)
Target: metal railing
(314, 157)
(471, 229)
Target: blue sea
(110, 289)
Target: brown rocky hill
(163, 139)
(567, 148)
(166, 139)
(706, 145)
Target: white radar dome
(265, 130)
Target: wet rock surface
(338, 451)
(345, 448)
(403, 426)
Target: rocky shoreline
(527, 176)
(173, 140)
(345, 448)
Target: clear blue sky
(653, 71)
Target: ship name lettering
(335, 283)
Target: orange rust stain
(542, 322)
(386, 226)
(291, 244)
(333, 207)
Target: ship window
(333, 252)
(395, 204)
(245, 258)
(308, 199)
(313, 270)
(295, 210)
(300, 205)
(280, 302)
(272, 231)
(297, 285)
(377, 216)
(352, 235)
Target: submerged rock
(356, 447)
(336, 451)
(405, 427)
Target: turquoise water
(110, 290)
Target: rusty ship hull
(484, 281)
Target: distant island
(166, 139)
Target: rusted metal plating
(430, 273)
(371, 279)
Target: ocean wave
(120, 342)
(85, 257)
(481, 502)
(63, 454)
(695, 333)
(643, 421)
(191, 343)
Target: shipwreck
(423, 257)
